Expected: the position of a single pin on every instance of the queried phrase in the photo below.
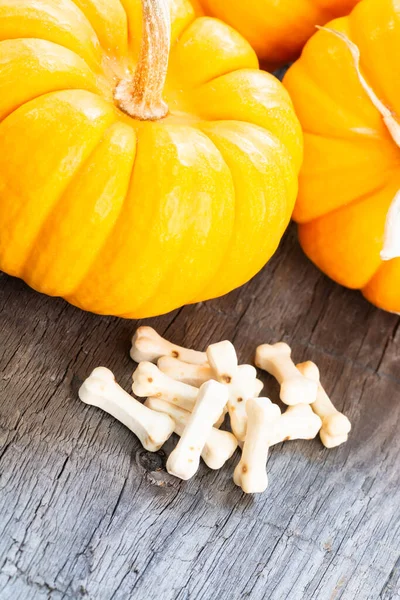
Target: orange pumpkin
(120, 200)
(348, 100)
(277, 29)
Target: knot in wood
(151, 461)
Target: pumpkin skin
(351, 171)
(276, 29)
(128, 217)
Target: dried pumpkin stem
(391, 244)
(140, 95)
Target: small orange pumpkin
(277, 29)
(348, 102)
(130, 186)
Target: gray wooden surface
(86, 513)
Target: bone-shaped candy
(148, 345)
(152, 428)
(184, 461)
(335, 425)
(241, 382)
(149, 381)
(250, 473)
(188, 373)
(220, 445)
(298, 422)
(295, 387)
(192, 374)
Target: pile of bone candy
(190, 392)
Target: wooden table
(86, 513)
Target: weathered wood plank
(85, 512)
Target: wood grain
(86, 513)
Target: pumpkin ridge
(338, 208)
(263, 250)
(375, 292)
(365, 287)
(388, 117)
(30, 257)
(132, 51)
(89, 22)
(222, 74)
(370, 37)
(356, 136)
(56, 91)
(83, 135)
(71, 296)
(190, 22)
(126, 17)
(204, 293)
(277, 111)
(233, 52)
(142, 308)
(91, 87)
(100, 16)
(343, 234)
(46, 8)
(374, 190)
(317, 87)
(211, 278)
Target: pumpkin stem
(140, 96)
(391, 244)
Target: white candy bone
(220, 445)
(149, 381)
(192, 374)
(152, 428)
(295, 387)
(241, 382)
(298, 422)
(335, 425)
(148, 345)
(250, 473)
(184, 461)
(188, 373)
